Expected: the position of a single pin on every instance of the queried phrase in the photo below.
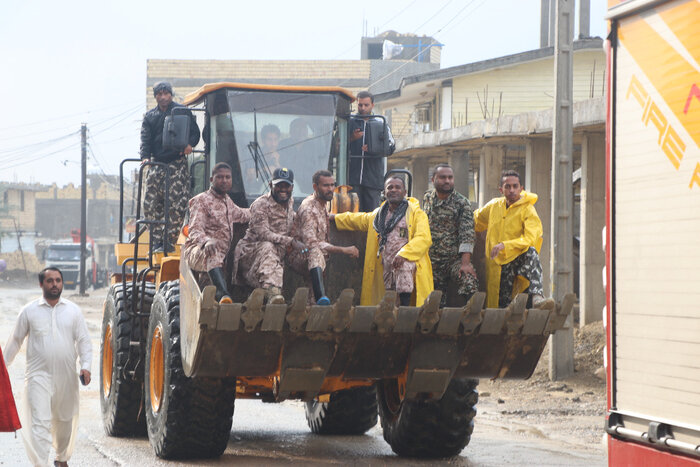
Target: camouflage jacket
(311, 224)
(212, 216)
(270, 221)
(451, 225)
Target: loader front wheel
(120, 388)
(186, 417)
(428, 428)
(349, 412)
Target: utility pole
(561, 349)
(83, 206)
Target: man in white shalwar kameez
(49, 408)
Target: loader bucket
(303, 345)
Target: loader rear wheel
(120, 391)
(431, 428)
(186, 417)
(349, 412)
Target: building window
(21, 201)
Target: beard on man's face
(52, 293)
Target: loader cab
(258, 128)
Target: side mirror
(176, 130)
(377, 137)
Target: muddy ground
(572, 410)
(563, 418)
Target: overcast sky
(67, 62)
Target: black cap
(283, 174)
(162, 86)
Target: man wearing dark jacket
(179, 176)
(366, 172)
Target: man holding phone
(366, 171)
(49, 409)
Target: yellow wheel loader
(174, 359)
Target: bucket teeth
(298, 315)
(473, 312)
(385, 317)
(516, 316)
(342, 310)
(558, 317)
(430, 314)
(253, 309)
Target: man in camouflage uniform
(311, 228)
(452, 228)
(213, 219)
(260, 255)
(179, 173)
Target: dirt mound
(16, 265)
(589, 342)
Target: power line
(384, 24)
(114, 124)
(37, 133)
(398, 14)
(19, 150)
(130, 111)
(434, 15)
(410, 60)
(24, 162)
(62, 117)
(460, 12)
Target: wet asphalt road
(276, 434)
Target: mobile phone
(82, 379)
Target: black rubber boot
(217, 278)
(405, 299)
(317, 284)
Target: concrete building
(18, 216)
(371, 72)
(102, 214)
(102, 209)
(374, 71)
(497, 114)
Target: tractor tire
(348, 412)
(121, 393)
(186, 417)
(431, 428)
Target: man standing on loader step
(366, 171)
(152, 150)
(260, 255)
(213, 220)
(513, 241)
(452, 229)
(311, 228)
(398, 239)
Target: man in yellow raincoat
(398, 240)
(513, 242)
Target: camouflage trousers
(260, 265)
(198, 260)
(303, 262)
(445, 270)
(154, 198)
(526, 265)
(400, 279)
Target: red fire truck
(652, 236)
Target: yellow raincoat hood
(415, 250)
(518, 227)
